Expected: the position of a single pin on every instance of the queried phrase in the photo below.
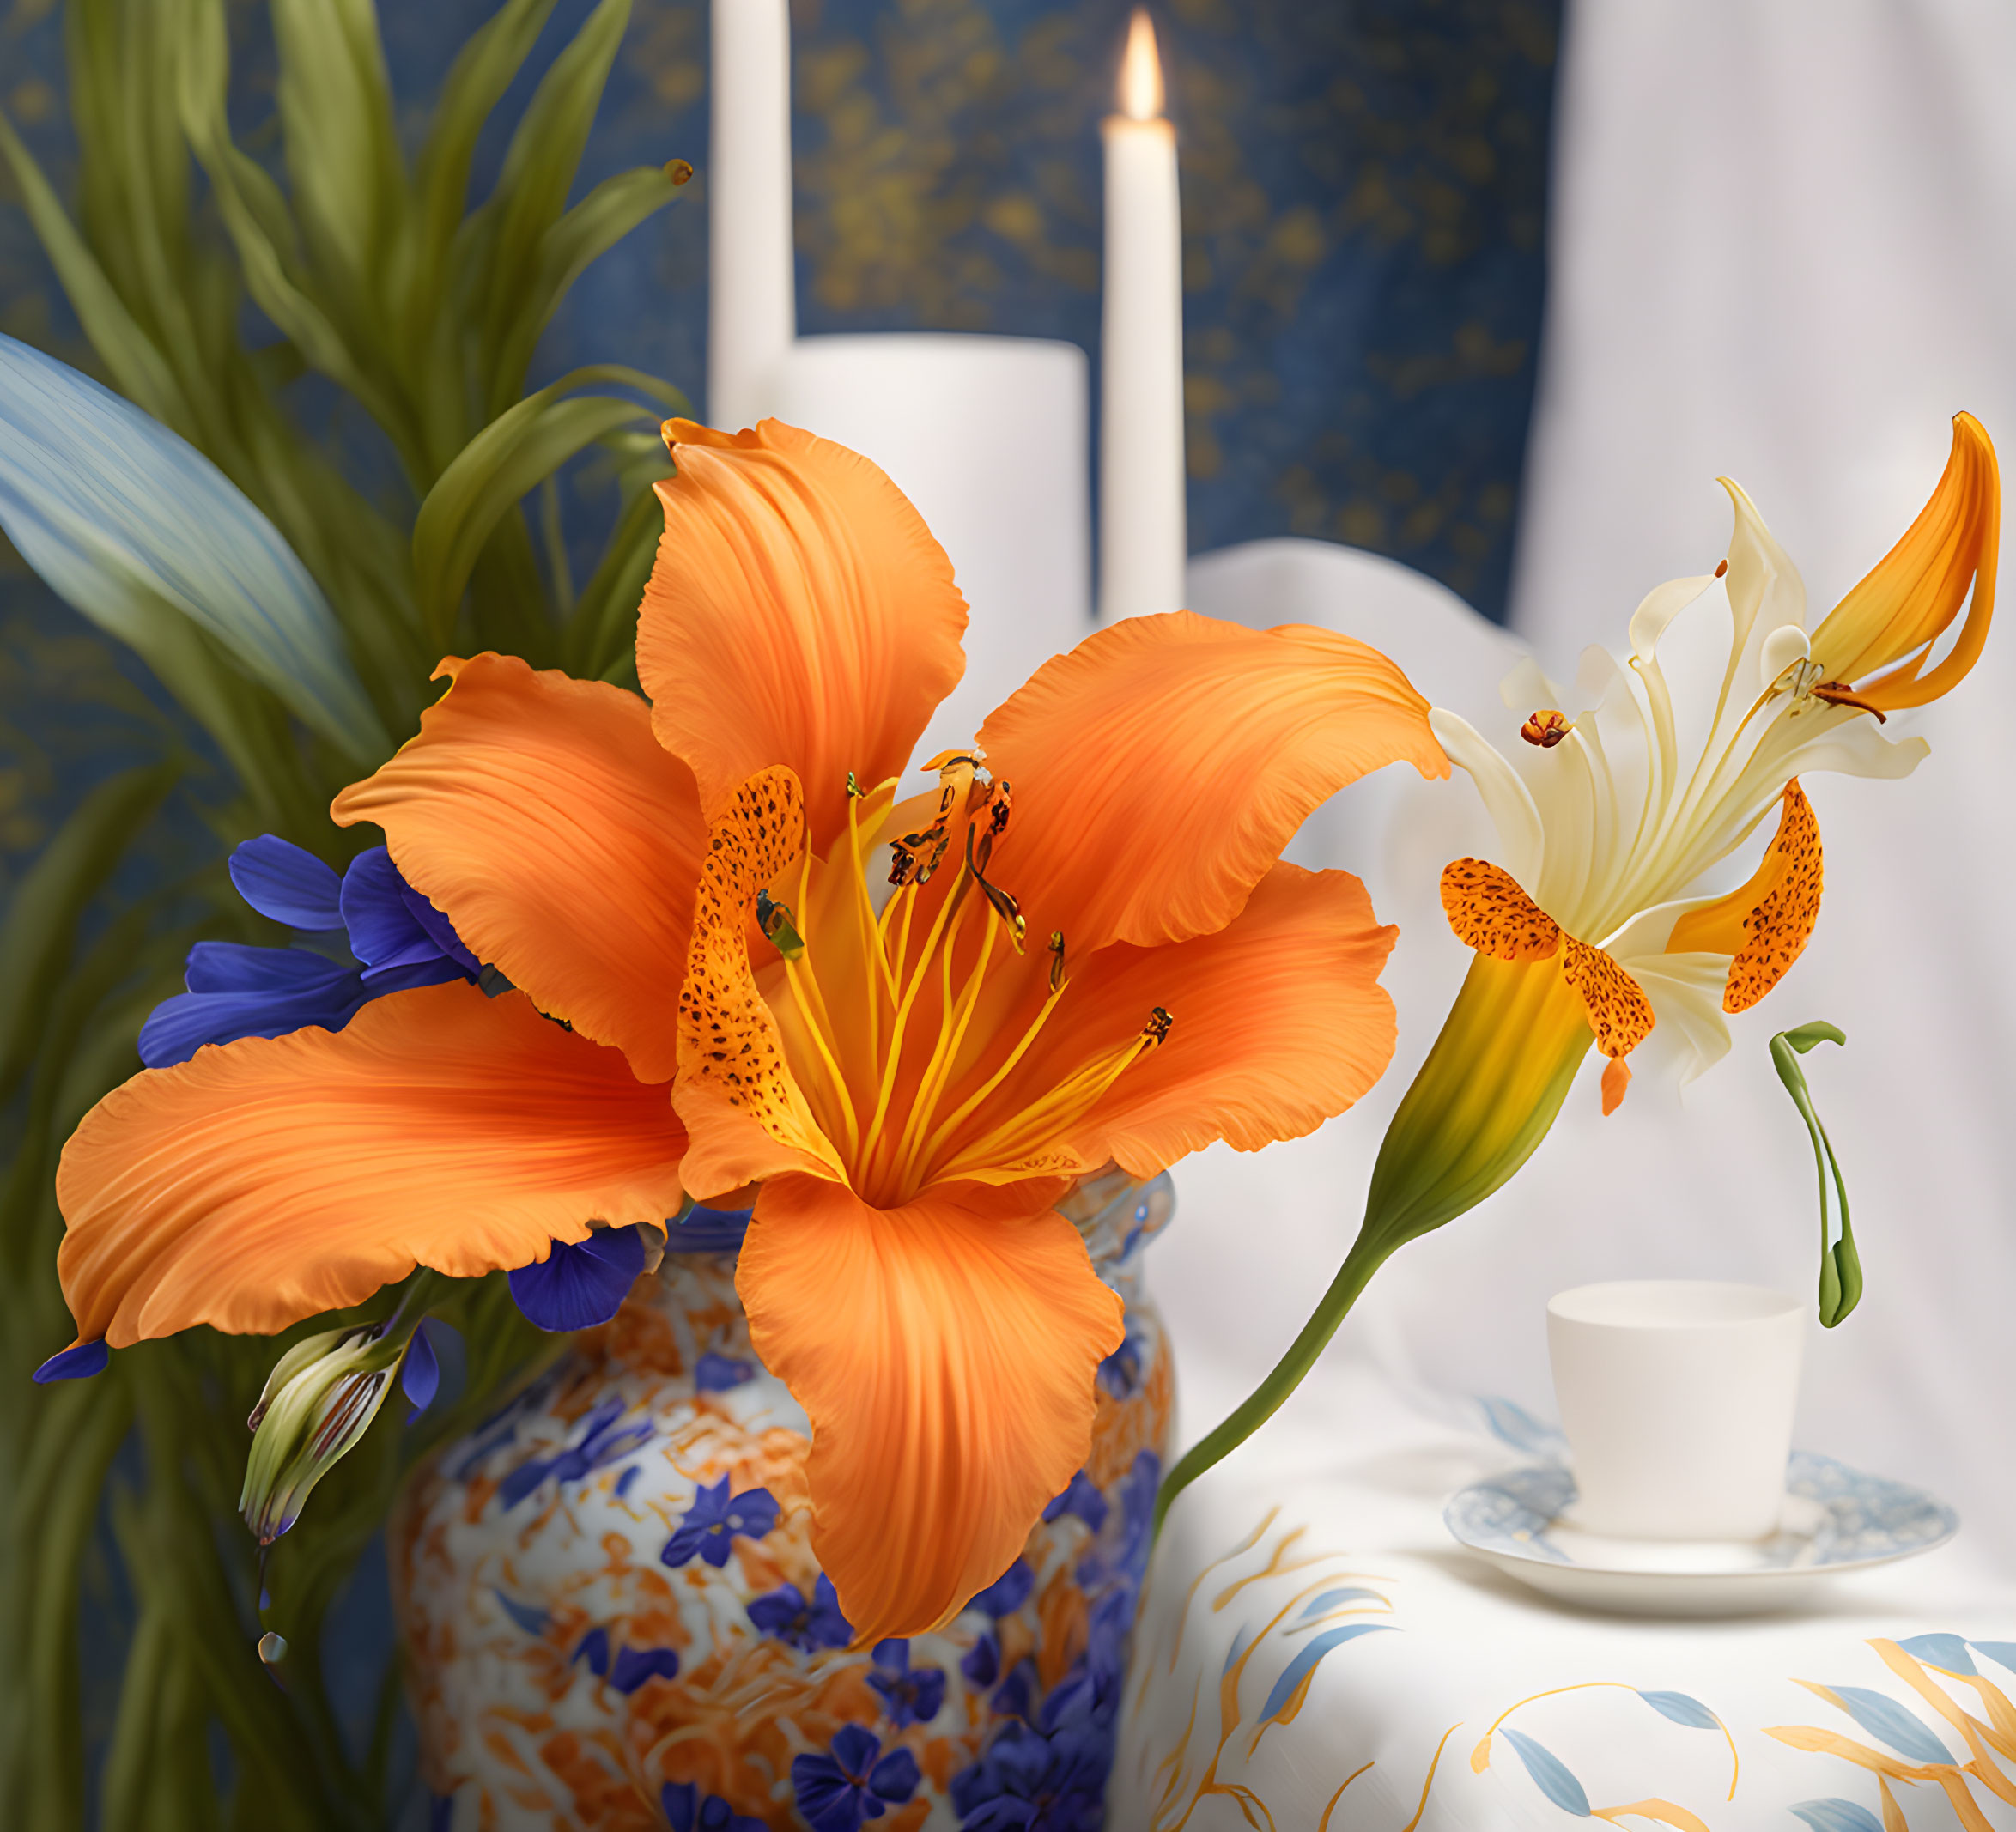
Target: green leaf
(262, 228)
(343, 154)
(481, 72)
(504, 463)
(583, 235)
(136, 364)
(35, 938)
(538, 171)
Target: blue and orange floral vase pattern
(613, 1619)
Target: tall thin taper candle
(752, 312)
(1142, 541)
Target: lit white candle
(752, 312)
(1142, 541)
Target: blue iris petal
(384, 930)
(440, 931)
(576, 1287)
(231, 966)
(279, 880)
(78, 1363)
(300, 989)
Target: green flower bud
(319, 1402)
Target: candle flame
(1140, 72)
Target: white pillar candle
(751, 303)
(988, 437)
(1142, 542)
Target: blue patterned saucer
(1836, 1518)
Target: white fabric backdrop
(1783, 247)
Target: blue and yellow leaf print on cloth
(1315, 1654)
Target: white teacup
(1677, 1397)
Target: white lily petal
(1686, 993)
(1528, 688)
(1504, 795)
(1765, 590)
(1659, 607)
(1647, 932)
(122, 518)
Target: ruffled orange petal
(747, 1117)
(799, 613)
(946, 1358)
(1159, 769)
(1279, 1023)
(1766, 922)
(562, 842)
(266, 1180)
(1916, 590)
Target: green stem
(1267, 1399)
(1476, 1111)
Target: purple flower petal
(719, 1373)
(279, 880)
(178, 1027)
(895, 1777)
(1008, 1592)
(440, 931)
(78, 1363)
(433, 972)
(420, 1373)
(634, 1666)
(577, 1286)
(231, 966)
(594, 1647)
(383, 932)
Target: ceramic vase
(612, 1617)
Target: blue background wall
(1363, 194)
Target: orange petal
(1620, 1013)
(1918, 587)
(1765, 924)
(735, 1092)
(541, 815)
(1160, 768)
(799, 613)
(268, 1180)
(946, 1358)
(1280, 1023)
(1491, 913)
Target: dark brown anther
(1839, 693)
(1156, 1029)
(1721, 567)
(1056, 960)
(1546, 728)
(1003, 905)
(679, 171)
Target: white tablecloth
(1316, 1654)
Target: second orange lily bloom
(1091, 953)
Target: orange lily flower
(689, 886)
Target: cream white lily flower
(1590, 927)
(1609, 818)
